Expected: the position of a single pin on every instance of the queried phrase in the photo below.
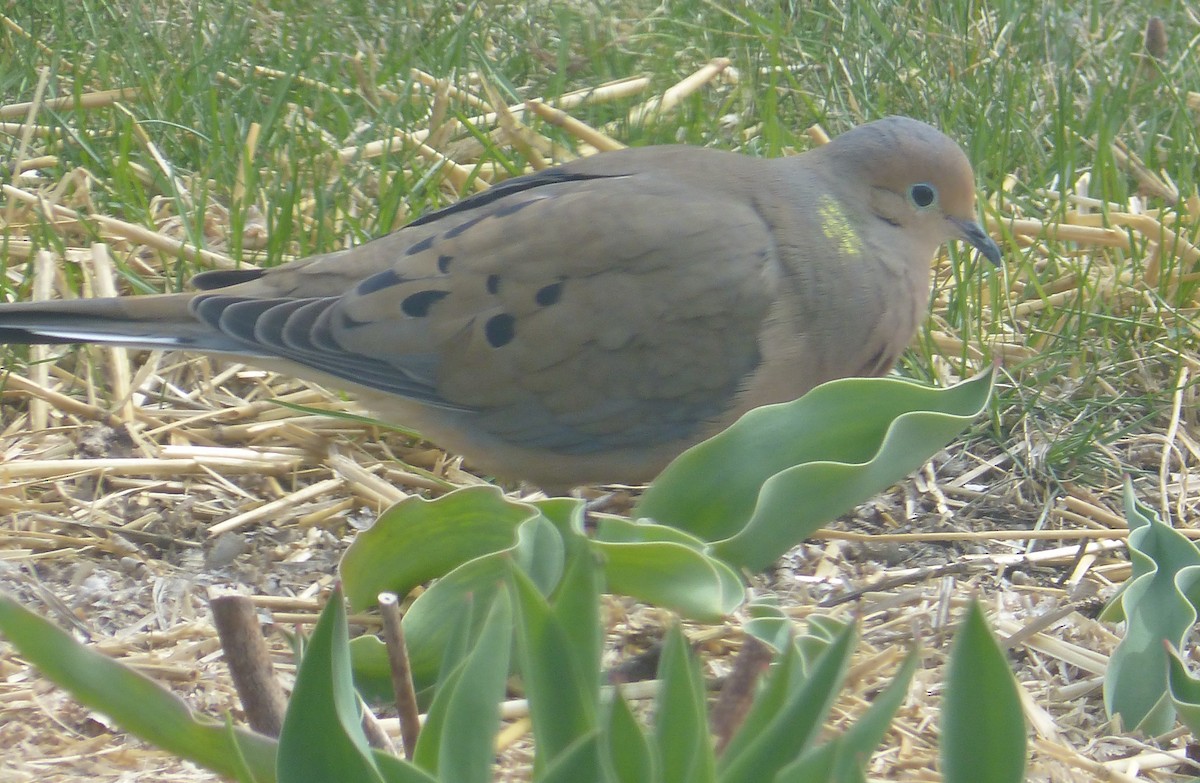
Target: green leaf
(135, 702)
(667, 567)
(673, 576)
(578, 763)
(560, 678)
(456, 743)
(395, 770)
(759, 752)
(619, 530)
(322, 737)
(460, 730)
(815, 766)
(820, 632)
(782, 471)
(567, 514)
(1185, 691)
(681, 738)
(844, 759)
(825, 628)
(1158, 604)
(768, 623)
(417, 540)
(790, 671)
(784, 679)
(576, 606)
(862, 739)
(540, 552)
(626, 753)
(983, 727)
(372, 671)
(432, 627)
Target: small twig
(62, 402)
(737, 694)
(1039, 624)
(1164, 467)
(45, 266)
(580, 130)
(518, 135)
(102, 273)
(249, 663)
(891, 583)
(377, 736)
(275, 507)
(402, 684)
(674, 94)
(129, 231)
(88, 100)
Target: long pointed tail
(154, 322)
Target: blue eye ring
(922, 195)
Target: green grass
(1036, 92)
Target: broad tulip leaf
(135, 702)
(322, 737)
(372, 671)
(761, 750)
(983, 727)
(417, 540)
(627, 757)
(1185, 691)
(673, 576)
(457, 741)
(1158, 604)
(579, 763)
(781, 471)
(768, 623)
(559, 673)
(844, 758)
(681, 738)
(435, 619)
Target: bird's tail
(161, 322)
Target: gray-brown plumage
(589, 322)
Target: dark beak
(972, 232)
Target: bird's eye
(922, 195)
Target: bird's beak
(972, 232)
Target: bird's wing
(574, 313)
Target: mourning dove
(589, 322)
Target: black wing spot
(500, 330)
(420, 247)
(417, 305)
(549, 294)
(443, 263)
(463, 226)
(493, 284)
(513, 208)
(379, 281)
